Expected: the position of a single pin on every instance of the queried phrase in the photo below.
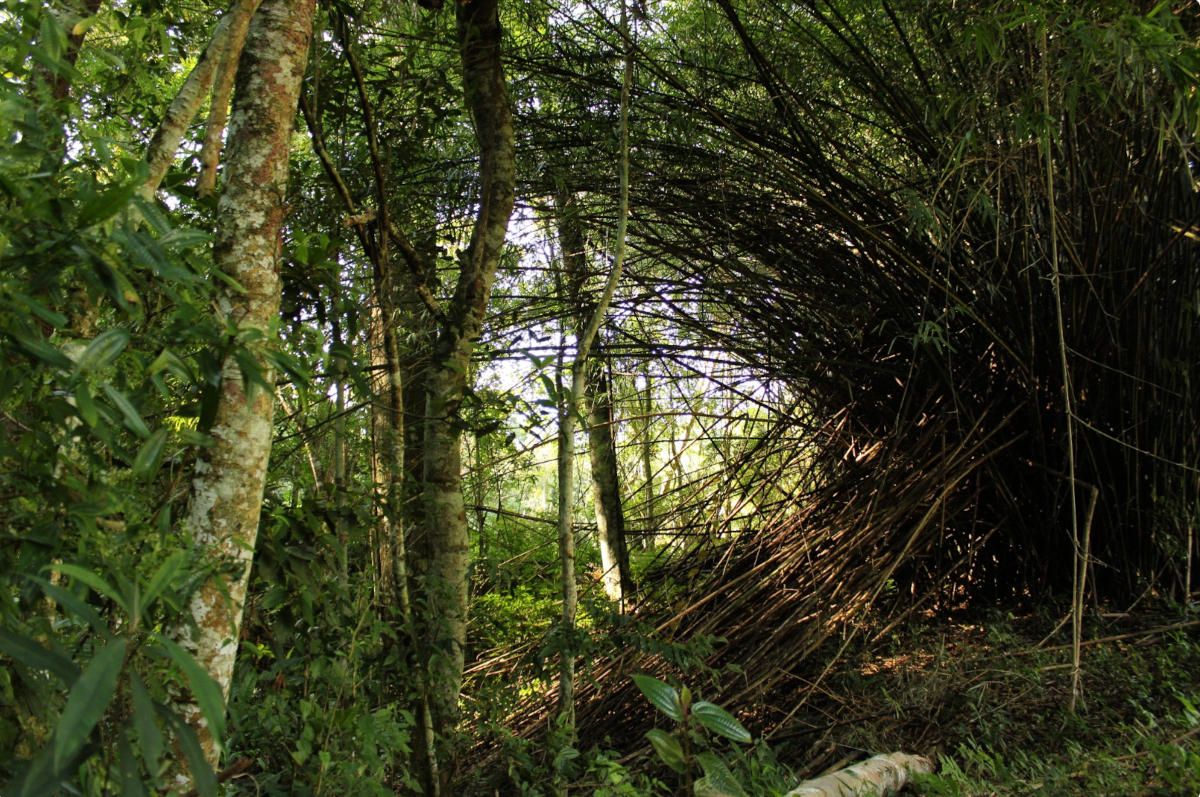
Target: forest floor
(986, 695)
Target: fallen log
(879, 776)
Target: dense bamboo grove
(456, 368)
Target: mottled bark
(183, 109)
(227, 488)
(486, 97)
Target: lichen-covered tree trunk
(445, 517)
(227, 488)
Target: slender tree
(446, 543)
(602, 452)
(227, 485)
(569, 404)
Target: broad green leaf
(133, 595)
(668, 748)
(103, 350)
(85, 576)
(52, 39)
(564, 758)
(150, 738)
(149, 455)
(105, 205)
(51, 317)
(662, 695)
(72, 602)
(130, 773)
(36, 657)
(85, 405)
(170, 361)
(720, 721)
(204, 689)
(84, 25)
(718, 781)
(36, 347)
(203, 777)
(87, 702)
(164, 575)
(41, 778)
(133, 420)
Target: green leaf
(87, 702)
(662, 695)
(164, 575)
(77, 606)
(203, 777)
(85, 405)
(37, 347)
(133, 420)
(36, 657)
(564, 758)
(52, 38)
(106, 205)
(103, 350)
(171, 362)
(130, 774)
(51, 317)
(668, 748)
(550, 388)
(149, 455)
(720, 721)
(718, 781)
(85, 576)
(204, 689)
(150, 738)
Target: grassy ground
(987, 696)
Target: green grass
(988, 699)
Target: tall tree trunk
(648, 462)
(486, 96)
(227, 489)
(606, 487)
(382, 459)
(568, 410)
